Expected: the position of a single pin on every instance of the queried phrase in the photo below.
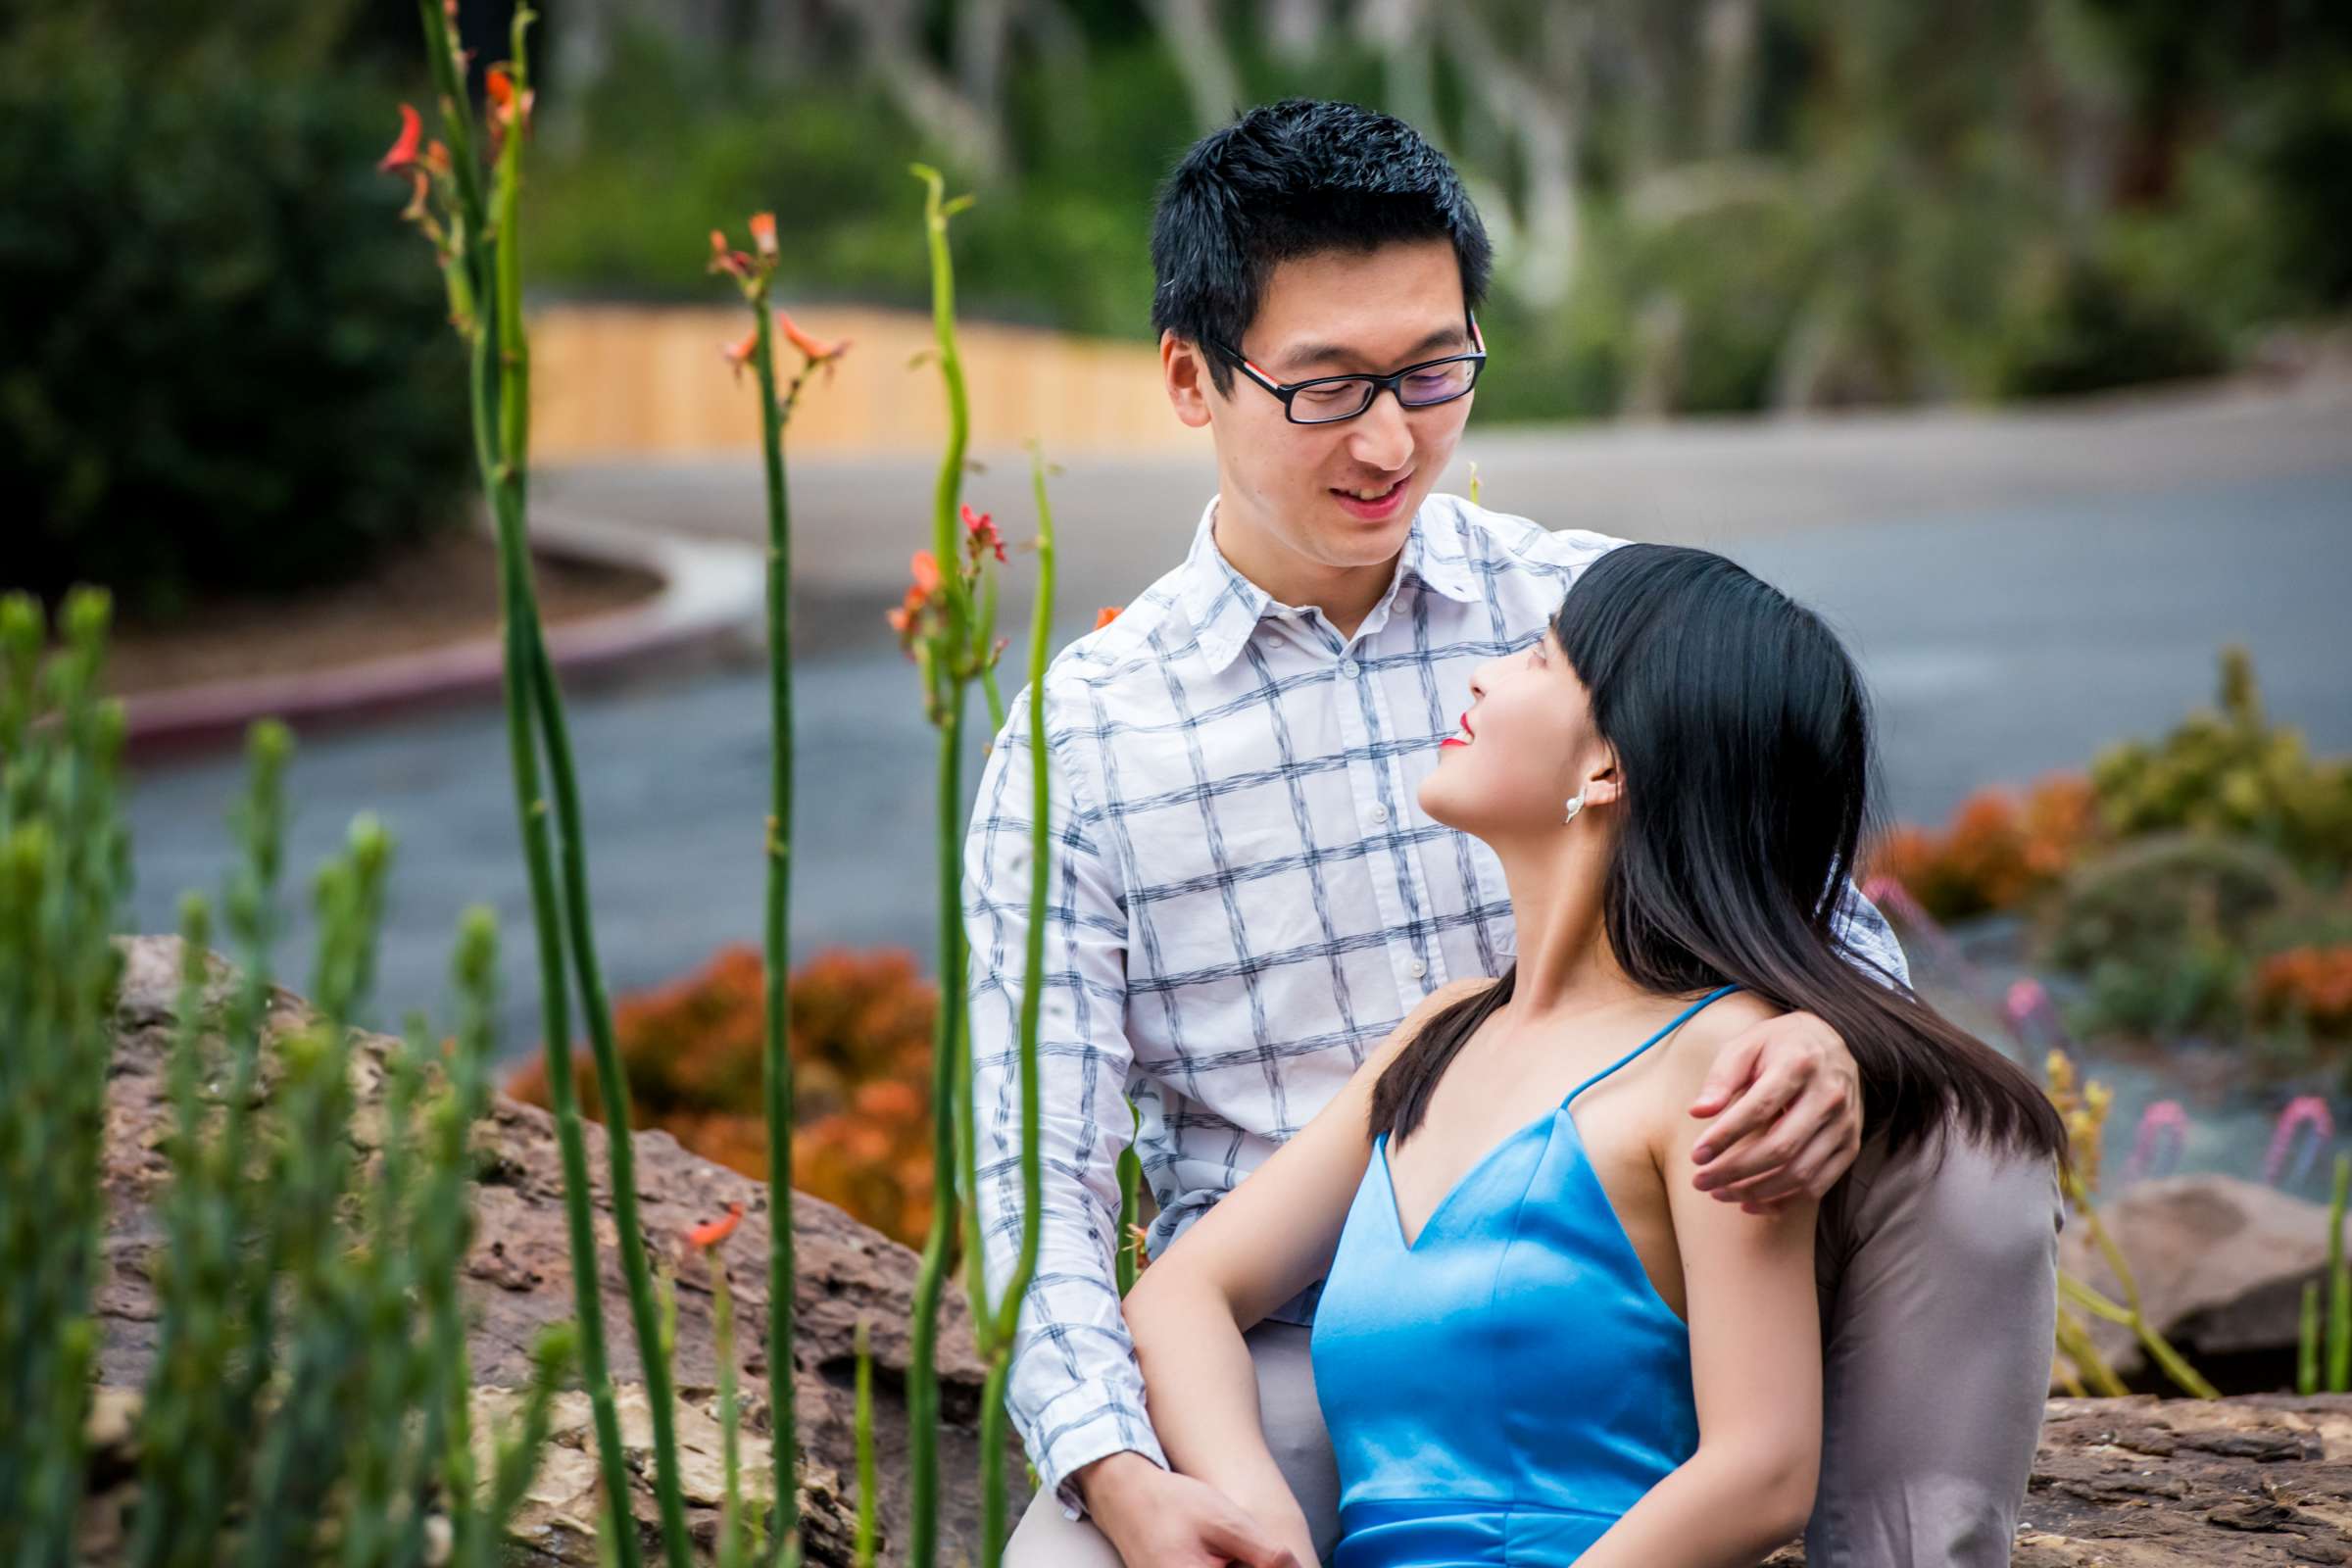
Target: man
(1243, 902)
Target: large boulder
(2221, 1264)
(519, 1278)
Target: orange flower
(907, 619)
(981, 535)
(1105, 615)
(763, 234)
(403, 151)
(726, 260)
(816, 352)
(739, 355)
(712, 1232)
(507, 106)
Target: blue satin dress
(1505, 1388)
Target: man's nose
(1382, 437)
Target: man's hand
(1794, 1118)
(1156, 1517)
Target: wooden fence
(622, 381)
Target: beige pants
(1938, 1303)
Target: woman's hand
(1789, 1107)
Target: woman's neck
(1566, 966)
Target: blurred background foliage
(2196, 886)
(1700, 206)
(216, 368)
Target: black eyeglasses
(1327, 399)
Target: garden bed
(439, 592)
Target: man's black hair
(1295, 179)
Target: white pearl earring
(1575, 806)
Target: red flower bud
(983, 533)
(714, 1231)
(403, 151)
(507, 106)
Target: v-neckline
(1388, 1172)
(1548, 1120)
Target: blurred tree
(215, 371)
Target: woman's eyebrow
(1333, 354)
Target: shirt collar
(1224, 606)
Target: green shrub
(2230, 770)
(2168, 933)
(2144, 903)
(225, 370)
(310, 1379)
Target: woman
(1532, 1347)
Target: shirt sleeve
(1867, 938)
(1075, 1390)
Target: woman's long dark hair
(1742, 730)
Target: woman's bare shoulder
(1692, 1048)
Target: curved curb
(712, 596)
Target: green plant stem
(776, 1060)
(731, 1537)
(944, 686)
(2307, 1341)
(863, 1554)
(496, 402)
(612, 1082)
(922, 1390)
(2174, 1366)
(1006, 1310)
(2340, 1283)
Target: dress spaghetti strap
(1680, 1019)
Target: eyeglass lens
(1344, 397)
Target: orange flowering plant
(754, 273)
(861, 1056)
(468, 206)
(734, 1539)
(1999, 849)
(947, 623)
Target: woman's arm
(1755, 1367)
(1262, 1243)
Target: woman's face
(1527, 745)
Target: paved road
(2021, 590)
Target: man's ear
(1184, 370)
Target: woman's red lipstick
(1456, 740)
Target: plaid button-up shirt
(1243, 900)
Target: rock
(517, 1278)
(2139, 1481)
(2221, 1265)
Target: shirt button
(1348, 667)
(1417, 968)
(1380, 813)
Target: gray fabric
(1045, 1538)
(1940, 1302)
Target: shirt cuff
(1112, 1429)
